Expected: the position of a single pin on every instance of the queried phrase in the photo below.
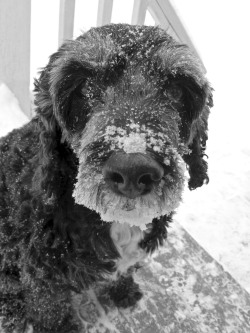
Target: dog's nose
(132, 175)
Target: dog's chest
(127, 240)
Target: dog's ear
(63, 96)
(71, 87)
(195, 126)
(46, 176)
(53, 99)
(185, 77)
(196, 99)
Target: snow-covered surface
(218, 215)
(11, 115)
(184, 289)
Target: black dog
(119, 111)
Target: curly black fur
(125, 292)
(157, 235)
(49, 244)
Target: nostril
(145, 180)
(132, 175)
(116, 177)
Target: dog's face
(131, 102)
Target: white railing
(15, 25)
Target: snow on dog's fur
(140, 211)
(90, 184)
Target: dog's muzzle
(120, 176)
(132, 175)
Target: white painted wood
(104, 12)
(163, 11)
(66, 20)
(15, 49)
(157, 13)
(153, 14)
(150, 20)
(139, 11)
(168, 16)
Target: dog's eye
(81, 91)
(175, 93)
(84, 91)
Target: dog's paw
(125, 292)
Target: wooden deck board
(185, 291)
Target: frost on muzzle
(96, 190)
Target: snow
(92, 191)
(218, 215)
(11, 115)
(132, 143)
(112, 208)
(136, 141)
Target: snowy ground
(10, 114)
(218, 214)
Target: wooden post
(66, 20)
(104, 12)
(169, 20)
(139, 11)
(15, 49)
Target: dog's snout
(132, 175)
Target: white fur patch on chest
(126, 240)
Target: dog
(88, 187)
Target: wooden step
(185, 291)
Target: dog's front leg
(124, 292)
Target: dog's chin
(92, 192)
(133, 217)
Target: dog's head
(131, 105)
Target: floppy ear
(197, 135)
(47, 177)
(62, 104)
(51, 173)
